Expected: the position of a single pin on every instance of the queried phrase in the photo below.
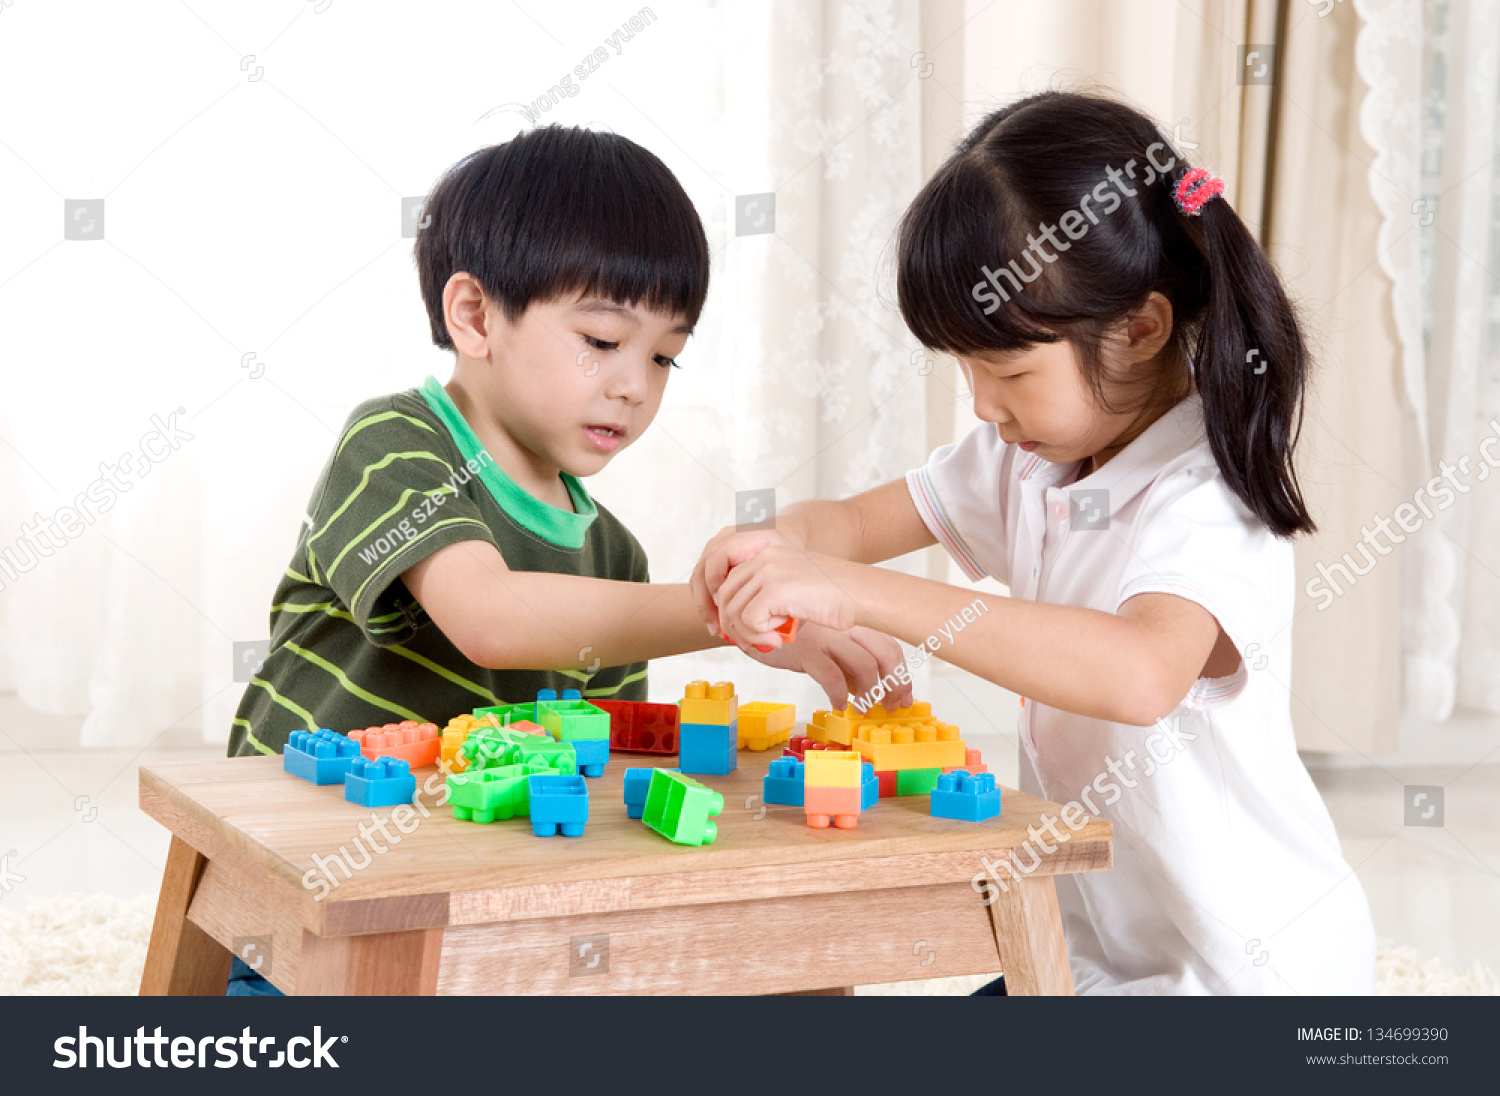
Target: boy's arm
(503, 619)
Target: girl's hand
(845, 664)
(726, 550)
(776, 582)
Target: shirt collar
(552, 524)
(1133, 468)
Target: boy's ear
(466, 309)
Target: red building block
(887, 782)
(638, 727)
(841, 806)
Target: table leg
(182, 959)
(1029, 938)
(378, 964)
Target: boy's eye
(599, 344)
(663, 360)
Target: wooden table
(772, 906)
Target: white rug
(83, 944)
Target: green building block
(678, 808)
(917, 781)
(560, 757)
(483, 796)
(572, 720)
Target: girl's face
(1040, 401)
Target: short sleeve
(960, 494)
(388, 499)
(1193, 538)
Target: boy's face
(579, 379)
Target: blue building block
(593, 754)
(784, 783)
(383, 782)
(559, 804)
(968, 797)
(708, 749)
(637, 784)
(869, 788)
(320, 757)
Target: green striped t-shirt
(350, 646)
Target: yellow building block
(894, 745)
(829, 726)
(458, 729)
(764, 724)
(705, 703)
(832, 769)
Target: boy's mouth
(605, 437)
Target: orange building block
(415, 743)
(910, 745)
(830, 726)
(764, 724)
(459, 728)
(832, 769)
(705, 703)
(837, 805)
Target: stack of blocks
(908, 748)
(832, 788)
(708, 729)
(570, 720)
(785, 784)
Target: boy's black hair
(559, 211)
(1024, 168)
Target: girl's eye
(663, 360)
(599, 344)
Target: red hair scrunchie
(1195, 189)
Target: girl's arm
(1132, 667)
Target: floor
(69, 823)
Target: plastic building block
(830, 726)
(562, 757)
(905, 745)
(415, 743)
(763, 724)
(637, 785)
(705, 703)
(320, 757)
(833, 769)
(452, 739)
(573, 720)
(869, 788)
(707, 749)
(591, 755)
(886, 781)
(559, 804)
(638, 727)
(798, 745)
(383, 782)
(916, 781)
(841, 806)
(681, 809)
(488, 794)
(783, 783)
(968, 797)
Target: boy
(451, 556)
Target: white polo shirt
(1227, 877)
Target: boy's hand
(726, 550)
(845, 664)
(779, 581)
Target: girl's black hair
(558, 211)
(1023, 169)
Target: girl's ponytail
(1250, 366)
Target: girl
(1139, 372)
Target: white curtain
(250, 270)
(1430, 113)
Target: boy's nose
(627, 381)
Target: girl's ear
(1148, 329)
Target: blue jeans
(244, 982)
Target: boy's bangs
(957, 226)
